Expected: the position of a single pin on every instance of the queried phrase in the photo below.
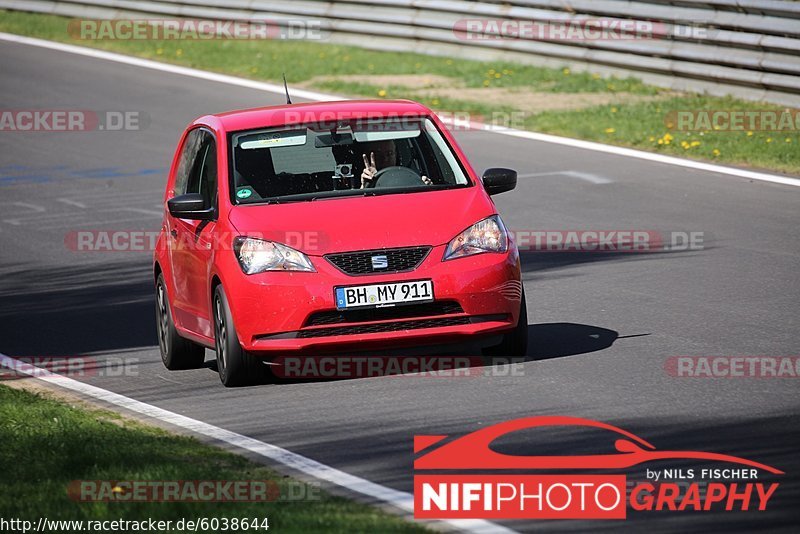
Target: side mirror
(498, 180)
(190, 206)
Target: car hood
(363, 223)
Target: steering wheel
(396, 177)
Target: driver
(382, 155)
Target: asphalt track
(602, 325)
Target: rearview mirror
(498, 180)
(190, 206)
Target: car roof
(313, 112)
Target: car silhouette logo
(380, 262)
(473, 451)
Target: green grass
(46, 444)
(643, 126)
(638, 124)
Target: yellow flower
(382, 93)
(160, 51)
(769, 139)
(685, 145)
(490, 72)
(749, 134)
(254, 70)
(179, 52)
(788, 139)
(595, 76)
(435, 101)
(652, 138)
(609, 130)
(695, 143)
(660, 141)
(614, 110)
(716, 152)
(486, 83)
(449, 62)
(668, 137)
(565, 71)
(497, 75)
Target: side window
(191, 145)
(198, 168)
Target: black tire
(236, 367)
(515, 343)
(176, 352)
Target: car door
(191, 240)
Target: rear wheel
(515, 343)
(176, 352)
(236, 366)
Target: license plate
(383, 294)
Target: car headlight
(257, 256)
(488, 235)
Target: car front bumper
(278, 312)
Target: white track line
(585, 176)
(312, 95)
(143, 211)
(71, 202)
(307, 466)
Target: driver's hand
(369, 169)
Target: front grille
(397, 260)
(376, 328)
(428, 309)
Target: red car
(335, 226)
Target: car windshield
(317, 161)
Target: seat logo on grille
(380, 262)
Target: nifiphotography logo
(449, 492)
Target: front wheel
(236, 367)
(176, 352)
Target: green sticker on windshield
(244, 193)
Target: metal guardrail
(748, 48)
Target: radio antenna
(286, 88)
